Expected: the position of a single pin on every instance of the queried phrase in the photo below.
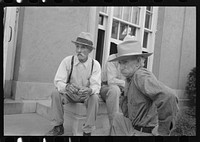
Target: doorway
(100, 45)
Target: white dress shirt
(113, 74)
(81, 74)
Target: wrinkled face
(82, 52)
(128, 66)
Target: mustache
(80, 54)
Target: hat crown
(86, 36)
(129, 47)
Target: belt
(144, 129)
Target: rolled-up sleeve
(112, 75)
(95, 79)
(62, 75)
(163, 97)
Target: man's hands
(72, 88)
(85, 92)
(77, 92)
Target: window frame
(140, 29)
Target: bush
(191, 85)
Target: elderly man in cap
(149, 107)
(78, 80)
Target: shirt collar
(76, 61)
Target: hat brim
(76, 42)
(129, 56)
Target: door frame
(9, 47)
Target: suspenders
(72, 64)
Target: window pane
(149, 8)
(127, 13)
(103, 9)
(131, 30)
(117, 12)
(146, 60)
(123, 31)
(145, 39)
(135, 15)
(114, 29)
(100, 19)
(148, 20)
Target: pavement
(28, 124)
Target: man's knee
(94, 98)
(114, 91)
(55, 94)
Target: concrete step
(19, 106)
(75, 115)
(43, 108)
(26, 124)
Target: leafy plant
(191, 85)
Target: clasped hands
(83, 92)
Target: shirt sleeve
(62, 75)
(112, 75)
(95, 79)
(163, 97)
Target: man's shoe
(86, 134)
(56, 131)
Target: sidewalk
(29, 124)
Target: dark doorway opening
(113, 48)
(100, 45)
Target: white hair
(141, 61)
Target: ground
(186, 122)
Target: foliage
(191, 85)
(186, 123)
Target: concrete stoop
(43, 108)
(75, 114)
(74, 117)
(19, 106)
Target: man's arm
(95, 79)
(62, 75)
(163, 97)
(113, 75)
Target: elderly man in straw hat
(149, 107)
(113, 82)
(78, 80)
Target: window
(115, 26)
(117, 12)
(123, 31)
(127, 14)
(148, 18)
(136, 21)
(145, 39)
(146, 60)
(103, 9)
(125, 22)
(135, 15)
(101, 18)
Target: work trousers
(122, 126)
(58, 100)
(110, 95)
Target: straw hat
(129, 48)
(84, 39)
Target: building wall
(175, 45)
(188, 53)
(45, 40)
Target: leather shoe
(56, 131)
(86, 134)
